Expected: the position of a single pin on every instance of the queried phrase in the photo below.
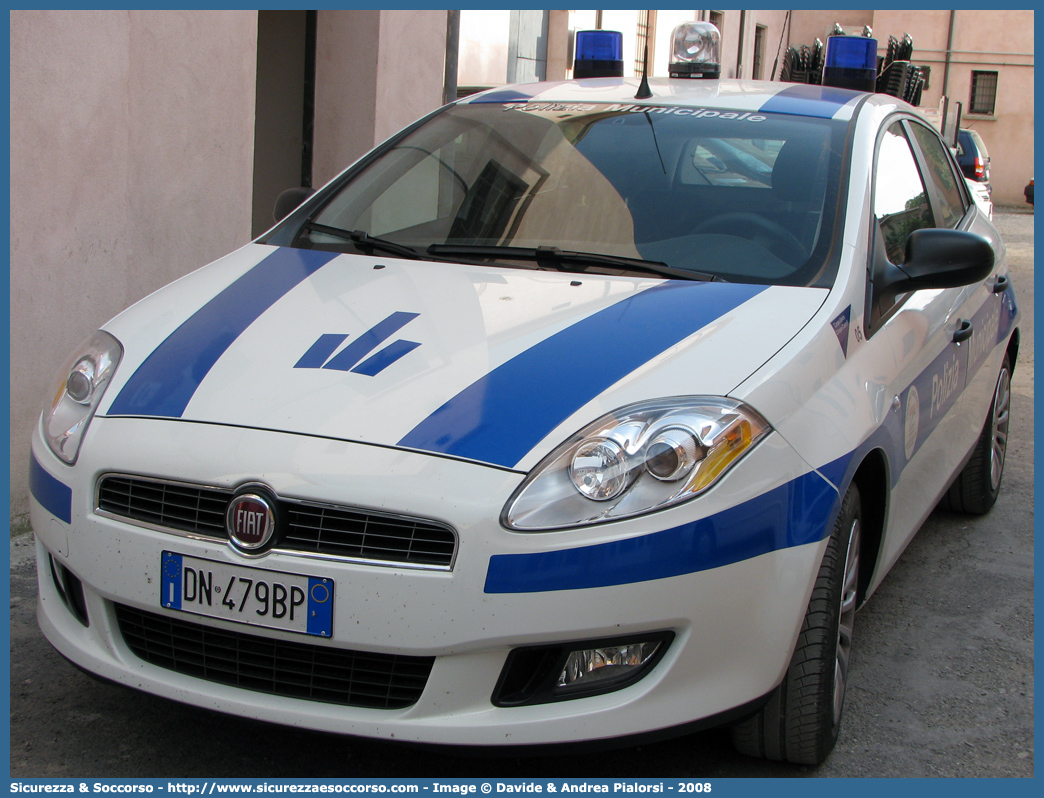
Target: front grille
(166, 504)
(349, 533)
(278, 667)
(308, 528)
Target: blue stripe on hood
(809, 100)
(164, 384)
(501, 417)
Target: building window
(646, 24)
(717, 19)
(983, 93)
(759, 52)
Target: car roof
(974, 136)
(732, 95)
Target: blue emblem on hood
(348, 359)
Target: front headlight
(641, 458)
(80, 386)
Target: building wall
(807, 26)
(774, 23)
(374, 75)
(492, 42)
(483, 47)
(996, 41)
(279, 110)
(131, 160)
(411, 68)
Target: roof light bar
(696, 51)
(851, 63)
(599, 54)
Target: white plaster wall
(131, 164)
(666, 22)
(483, 47)
(411, 68)
(625, 21)
(375, 73)
(345, 103)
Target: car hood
(494, 365)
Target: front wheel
(800, 722)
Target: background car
(972, 156)
(981, 194)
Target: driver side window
(900, 206)
(900, 199)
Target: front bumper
(734, 625)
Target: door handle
(1001, 284)
(963, 331)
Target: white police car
(563, 415)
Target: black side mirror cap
(289, 200)
(941, 258)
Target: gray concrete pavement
(941, 681)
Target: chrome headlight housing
(79, 389)
(638, 459)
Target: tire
(977, 485)
(800, 722)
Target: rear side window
(940, 174)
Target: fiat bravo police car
(561, 416)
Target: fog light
(565, 671)
(600, 667)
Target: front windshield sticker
(618, 108)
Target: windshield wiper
(555, 258)
(368, 243)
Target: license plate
(255, 596)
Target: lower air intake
(279, 667)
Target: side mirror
(289, 200)
(940, 258)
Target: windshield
(740, 197)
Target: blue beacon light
(851, 63)
(599, 54)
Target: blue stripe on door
(793, 514)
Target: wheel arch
(871, 477)
(1013, 348)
